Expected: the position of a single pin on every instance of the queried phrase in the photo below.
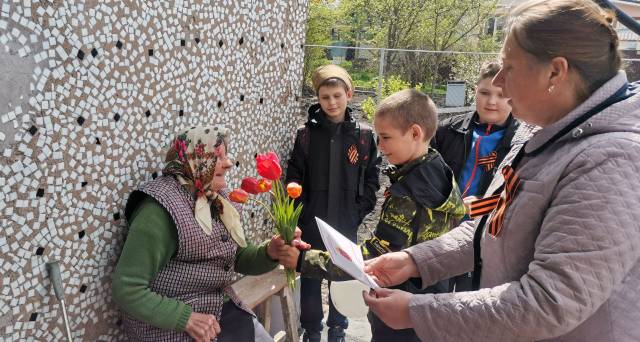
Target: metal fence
(447, 76)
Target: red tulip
(239, 196)
(250, 185)
(294, 190)
(264, 185)
(268, 166)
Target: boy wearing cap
(422, 202)
(335, 160)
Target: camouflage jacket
(422, 203)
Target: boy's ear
(349, 94)
(416, 132)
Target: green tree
(392, 84)
(438, 25)
(319, 24)
(455, 25)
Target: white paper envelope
(345, 254)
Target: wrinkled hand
(272, 247)
(391, 306)
(202, 327)
(392, 268)
(288, 255)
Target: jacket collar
(421, 180)
(463, 126)
(600, 95)
(470, 122)
(395, 172)
(509, 123)
(317, 117)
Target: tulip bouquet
(283, 211)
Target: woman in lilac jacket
(556, 257)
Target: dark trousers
(461, 283)
(380, 332)
(235, 324)
(311, 307)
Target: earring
(551, 89)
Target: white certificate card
(345, 254)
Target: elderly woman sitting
(184, 243)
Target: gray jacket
(566, 265)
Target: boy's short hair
(489, 69)
(408, 107)
(331, 75)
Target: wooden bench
(256, 292)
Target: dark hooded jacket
(329, 176)
(453, 141)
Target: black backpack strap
(364, 146)
(304, 140)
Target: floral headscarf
(192, 159)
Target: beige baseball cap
(328, 71)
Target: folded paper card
(345, 254)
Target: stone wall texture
(91, 94)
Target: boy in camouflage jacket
(422, 203)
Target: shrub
(391, 85)
(369, 108)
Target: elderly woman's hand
(277, 242)
(202, 327)
(288, 256)
(272, 247)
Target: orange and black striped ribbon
(511, 183)
(352, 154)
(488, 161)
(483, 206)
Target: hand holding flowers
(287, 255)
(283, 210)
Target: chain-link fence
(448, 77)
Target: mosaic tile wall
(91, 93)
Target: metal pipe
(434, 52)
(53, 268)
(381, 74)
(402, 50)
(623, 17)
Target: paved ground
(359, 329)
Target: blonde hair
(578, 30)
(408, 107)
